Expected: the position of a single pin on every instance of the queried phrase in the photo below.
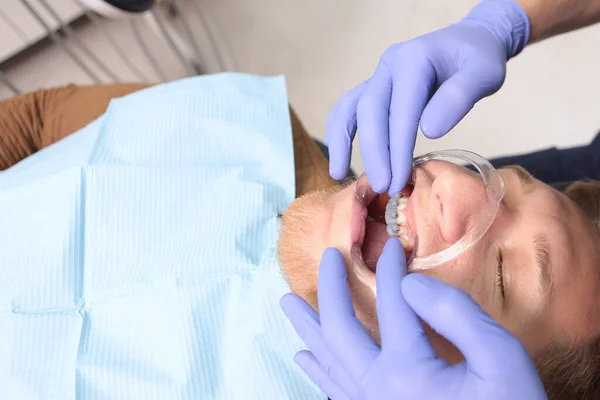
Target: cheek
(468, 275)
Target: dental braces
(395, 218)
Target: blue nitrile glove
(466, 60)
(346, 363)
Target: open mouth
(379, 220)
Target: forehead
(574, 306)
(567, 227)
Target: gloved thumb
(452, 313)
(456, 97)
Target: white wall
(325, 47)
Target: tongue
(375, 238)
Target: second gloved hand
(346, 363)
(459, 65)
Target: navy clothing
(559, 168)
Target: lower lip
(358, 223)
(364, 195)
(358, 226)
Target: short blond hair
(572, 370)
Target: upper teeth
(396, 219)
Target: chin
(302, 240)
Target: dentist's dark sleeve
(559, 166)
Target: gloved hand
(346, 363)
(435, 79)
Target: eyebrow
(525, 178)
(541, 247)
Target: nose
(458, 195)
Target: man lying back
(536, 270)
(538, 232)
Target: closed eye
(524, 177)
(500, 274)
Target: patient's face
(546, 288)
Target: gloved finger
(315, 371)
(398, 324)
(372, 115)
(307, 324)
(413, 79)
(343, 113)
(345, 336)
(340, 132)
(453, 314)
(454, 99)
